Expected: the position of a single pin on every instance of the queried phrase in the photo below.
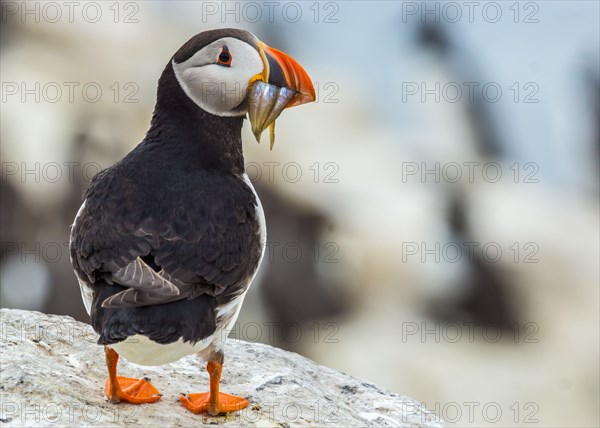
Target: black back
(178, 201)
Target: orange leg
(213, 402)
(124, 389)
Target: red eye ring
(224, 57)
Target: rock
(53, 374)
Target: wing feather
(145, 286)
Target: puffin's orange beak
(283, 70)
(283, 83)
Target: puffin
(168, 240)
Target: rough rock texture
(53, 374)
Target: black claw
(146, 378)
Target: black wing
(165, 238)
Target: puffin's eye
(224, 57)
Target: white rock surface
(53, 374)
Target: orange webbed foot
(200, 403)
(134, 391)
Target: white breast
(260, 216)
(87, 293)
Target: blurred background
(433, 219)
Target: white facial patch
(215, 88)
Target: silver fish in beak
(282, 84)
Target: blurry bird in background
(294, 291)
(483, 296)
